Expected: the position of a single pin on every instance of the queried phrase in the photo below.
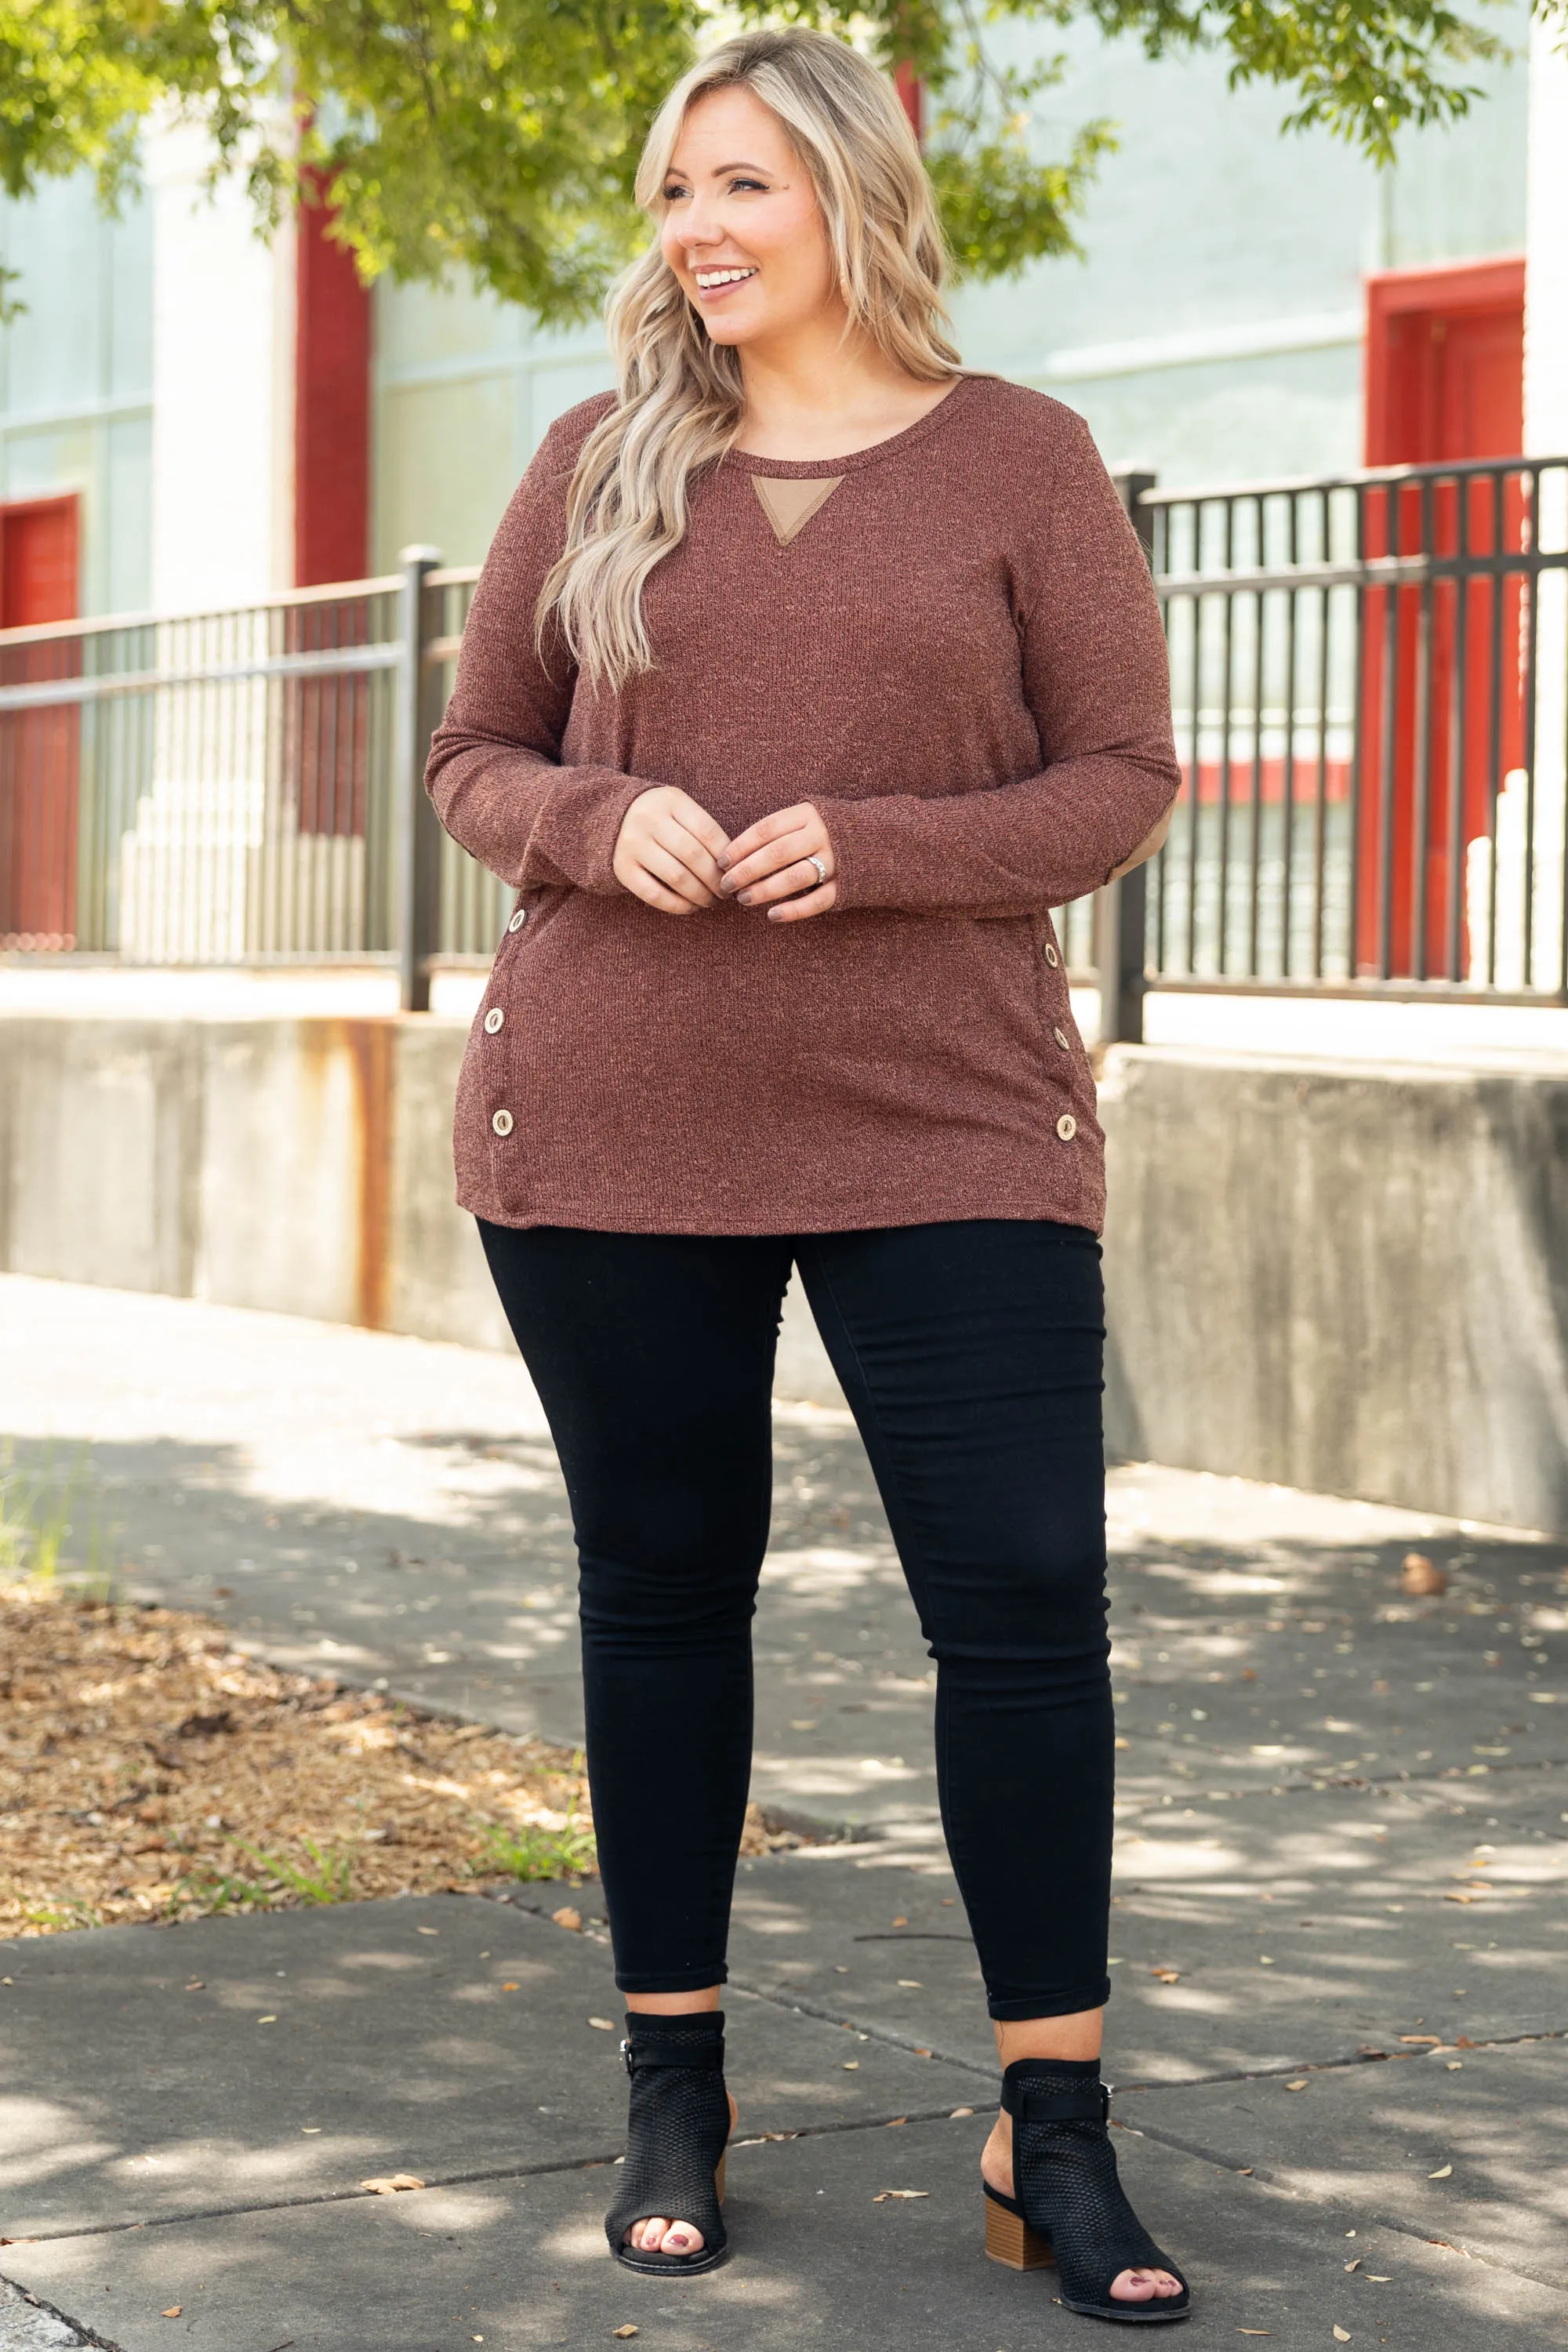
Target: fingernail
(746, 898)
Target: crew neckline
(802, 469)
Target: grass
(326, 1881)
(36, 1507)
(530, 1852)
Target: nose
(702, 227)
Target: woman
(805, 675)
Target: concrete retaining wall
(302, 1165)
(1339, 1276)
(1342, 1276)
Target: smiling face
(741, 227)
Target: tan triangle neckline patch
(790, 505)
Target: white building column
(1546, 244)
(223, 369)
(1546, 436)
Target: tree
(499, 137)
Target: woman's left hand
(770, 865)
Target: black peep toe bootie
(676, 2133)
(1068, 2205)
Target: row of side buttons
(501, 1121)
(1066, 1126)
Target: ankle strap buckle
(706, 2057)
(1090, 2103)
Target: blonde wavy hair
(680, 396)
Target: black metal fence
(1370, 674)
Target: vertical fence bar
(1425, 733)
(416, 837)
(1123, 909)
(1459, 729)
(1531, 633)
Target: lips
(713, 283)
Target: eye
(758, 187)
(675, 189)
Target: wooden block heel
(719, 2178)
(1010, 2239)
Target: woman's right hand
(668, 852)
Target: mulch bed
(149, 1772)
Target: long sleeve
(495, 773)
(1097, 682)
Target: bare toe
(658, 2236)
(1135, 2287)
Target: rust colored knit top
(958, 658)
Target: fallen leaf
(1341, 2335)
(894, 2121)
(1297, 2086)
(1423, 2041)
(1463, 2042)
(1454, 2066)
(627, 2330)
(1166, 1975)
(1245, 2171)
(851, 2066)
(960, 2111)
(567, 1917)
(1442, 2173)
(426, 1931)
(603, 2024)
(910, 1984)
(172, 2313)
(900, 1923)
(388, 2184)
(1421, 1576)
(1355, 2265)
(267, 2021)
(197, 1984)
(903, 2193)
(511, 1986)
(1380, 2278)
(921, 2053)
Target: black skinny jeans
(971, 1354)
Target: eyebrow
(718, 170)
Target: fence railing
(1370, 676)
(1371, 685)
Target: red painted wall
(38, 749)
(37, 562)
(1445, 382)
(1444, 364)
(331, 409)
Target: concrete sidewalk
(1339, 1930)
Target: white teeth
(709, 277)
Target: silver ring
(821, 870)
